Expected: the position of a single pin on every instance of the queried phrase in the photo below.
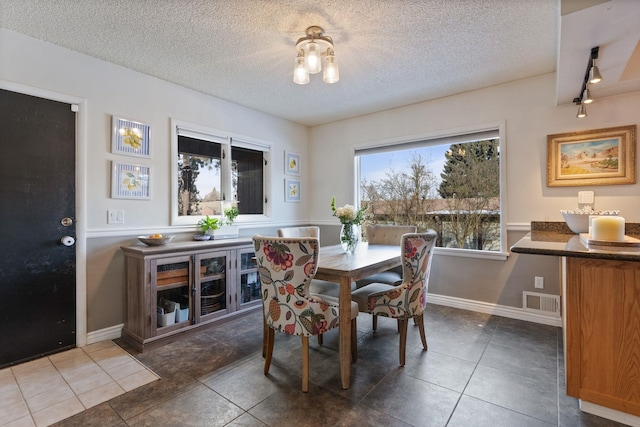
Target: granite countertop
(555, 238)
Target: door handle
(67, 241)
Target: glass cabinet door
(211, 285)
(172, 296)
(249, 279)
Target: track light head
(582, 111)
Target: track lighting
(592, 76)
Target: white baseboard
(498, 310)
(114, 332)
(610, 414)
(110, 333)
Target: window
(213, 171)
(451, 184)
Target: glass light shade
(594, 74)
(586, 96)
(312, 58)
(300, 74)
(331, 73)
(582, 111)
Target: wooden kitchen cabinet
(603, 332)
(177, 288)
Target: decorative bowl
(578, 221)
(155, 241)
(201, 237)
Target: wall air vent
(541, 303)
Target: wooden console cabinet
(603, 332)
(176, 288)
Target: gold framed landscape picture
(594, 157)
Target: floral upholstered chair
(286, 267)
(321, 287)
(385, 235)
(409, 298)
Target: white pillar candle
(608, 228)
(591, 218)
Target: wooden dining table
(337, 266)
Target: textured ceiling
(390, 52)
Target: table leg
(345, 331)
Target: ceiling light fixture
(592, 76)
(314, 50)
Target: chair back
(410, 297)
(309, 231)
(286, 266)
(388, 234)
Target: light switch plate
(585, 197)
(115, 216)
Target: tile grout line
(53, 364)
(476, 364)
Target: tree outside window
(451, 188)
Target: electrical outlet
(539, 282)
(115, 216)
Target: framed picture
(129, 137)
(593, 157)
(129, 181)
(291, 190)
(291, 163)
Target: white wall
(526, 106)
(114, 90)
(107, 90)
(529, 111)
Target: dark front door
(37, 210)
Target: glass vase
(349, 237)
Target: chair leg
(305, 364)
(268, 348)
(403, 323)
(264, 336)
(354, 341)
(320, 339)
(419, 320)
(375, 322)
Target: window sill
(469, 253)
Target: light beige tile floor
(47, 390)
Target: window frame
(227, 141)
(441, 138)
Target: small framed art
(130, 138)
(291, 190)
(291, 163)
(129, 181)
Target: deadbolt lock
(66, 221)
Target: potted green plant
(209, 225)
(227, 230)
(230, 215)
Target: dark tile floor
(480, 370)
